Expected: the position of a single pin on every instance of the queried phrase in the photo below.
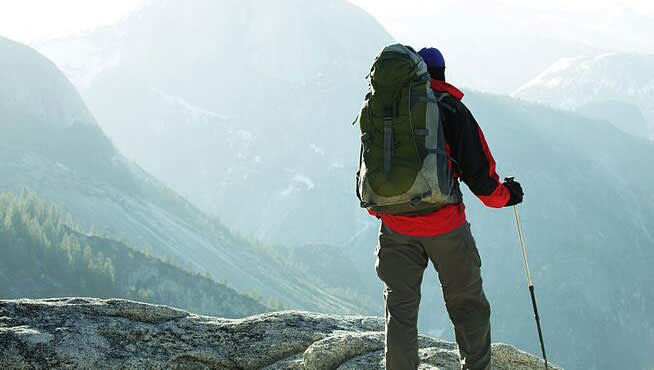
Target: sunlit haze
(471, 33)
(30, 20)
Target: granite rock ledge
(91, 333)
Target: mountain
(52, 145)
(215, 89)
(625, 116)
(594, 84)
(79, 332)
(45, 255)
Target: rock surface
(85, 333)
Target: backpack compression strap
(388, 140)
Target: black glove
(516, 191)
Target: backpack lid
(395, 66)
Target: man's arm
(470, 150)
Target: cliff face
(82, 333)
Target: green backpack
(403, 165)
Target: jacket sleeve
(476, 164)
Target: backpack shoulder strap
(440, 97)
(442, 103)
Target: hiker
(439, 233)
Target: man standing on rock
(408, 240)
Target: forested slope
(44, 254)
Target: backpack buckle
(415, 201)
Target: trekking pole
(523, 248)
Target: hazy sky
(588, 21)
(526, 36)
(515, 40)
(28, 20)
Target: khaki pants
(401, 261)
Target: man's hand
(516, 191)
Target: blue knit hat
(432, 57)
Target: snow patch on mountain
(544, 79)
(296, 183)
(195, 111)
(305, 181)
(317, 149)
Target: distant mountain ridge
(574, 83)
